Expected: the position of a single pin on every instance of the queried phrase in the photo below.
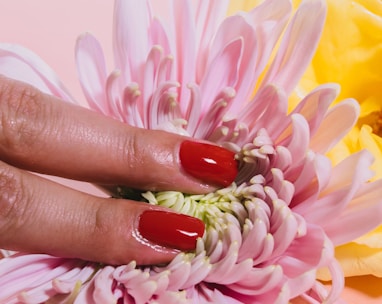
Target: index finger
(41, 133)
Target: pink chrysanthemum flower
(193, 71)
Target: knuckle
(22, 116)
(134, 149)
(12, 206)
(123, 149)
(129, 146)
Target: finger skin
(41, 133)
(40, 216)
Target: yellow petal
(350, 50)
(358, 259)
(369, 106)
(242, 5)
(350, 53)
(371, 239)
(373, 143)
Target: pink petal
(267, 21)
(22, 64)
(273, 119)
(194, 108)
(210, 121)
(222, 72)
(209, 15)
(232, 29)
(284, 189)
(91, 68)
(223, 269)
(149, 78)
(199, 270)
(299, 285)
(259, 280)
(315, 105)
(30, 276)
(303, 180)
(161, 105)
(68, 281)
(345, 180)
(299, 139)
(283, 227)
(260, 112)
(304, 254)
(338, 282)
(159, 36)
(130, 39)
(103, 283)
(273, 13)
(362, 215)
(185, 48)
(339, 120)
(298, 45)
(180, 269)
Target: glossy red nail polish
(209, 163)
(170, 229)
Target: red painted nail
(209, 163)
(170, 229)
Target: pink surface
(50, 29)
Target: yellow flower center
(374, 120)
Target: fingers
(43, 134)
(37, 215)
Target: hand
(43, 134)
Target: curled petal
(259, 280)
(103, 286)
(315, 105)
(340, 119)
(22, 64)
(92, 73)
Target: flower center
(374, 120)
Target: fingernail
(209, 163)
(170, 229)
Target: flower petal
(364, 212)
(131, 46)
(340, 119)
(297, 46)
(22, 64)
(91, 68)
(314, 106)
(209, 15)
(346, 179)
(222, 72)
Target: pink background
(50, 29)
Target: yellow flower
(350, 53)
(242, 5)
(350, 50)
